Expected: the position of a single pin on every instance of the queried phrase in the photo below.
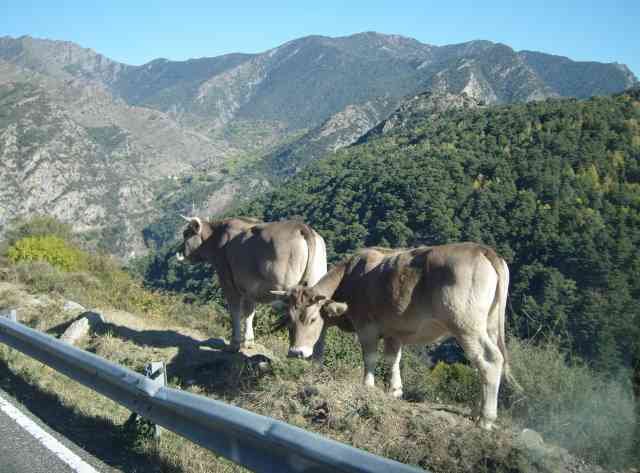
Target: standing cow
(253, 258)
(414, 296)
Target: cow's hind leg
(393, 353)
(487, 358)
(248, 311)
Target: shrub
(51, 249)
(455, 382)
(38, 226)
(574, 406)
(40, 276)
(342, 350)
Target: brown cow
(253, 258)
(414, 296)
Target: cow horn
(279, 293)
(185, 218)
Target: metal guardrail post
(11, 314)
(157, 373)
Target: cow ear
(334, 309)
(196, 224)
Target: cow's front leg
(393, 353)
(235, 307)
(249, 311)
(369, 343)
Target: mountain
(339, 130)
(420, 108)
(304, 81)
(358, 123)
(218, 117)
(72, 150)
(59, 59)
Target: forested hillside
(553, 185)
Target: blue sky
(135, 31)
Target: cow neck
(330, 282)
(208, 237)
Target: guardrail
(254, 441)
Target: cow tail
(502, 291)
(310, 238)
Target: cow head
(306, 314)
(194, 234)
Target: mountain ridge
(300, 100)
(420, 65)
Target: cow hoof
(486, 424)
(396, 393)
(233, 347)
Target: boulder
(81, 327)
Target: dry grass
(328, 400)
(79, 412)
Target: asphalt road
(22, 445)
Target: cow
(411, 296)
(253, 258)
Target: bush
(455, 382)
(40, 276)
(342, 350)
(38, 226)
(51, 249)
(573, 406)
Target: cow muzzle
(300, 352)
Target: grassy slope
(328, 400)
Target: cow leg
(318, 348)
(235, 307)
(369, 344)
(393, 353)
(487, 358)
(248, 311)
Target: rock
(81, 327)
(531, 439)
(76, 331)
(70, 306)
